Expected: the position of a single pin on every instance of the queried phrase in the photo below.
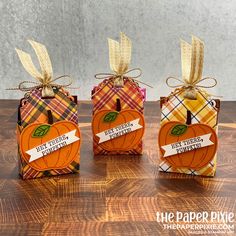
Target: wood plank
(74, 228)
(78, 209)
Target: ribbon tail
(28, 64)
(43, 58)
(196, 60)
(186, 50)
(125, 53)
(138, 81)
(114, 57)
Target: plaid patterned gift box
(204, 111)
(33, 109)
(104, 96)
(48, 135)
(118, 94)
(186, 151)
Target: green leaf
(110, 116)
(41, 131)
(178, 130)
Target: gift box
(48, 135)
(189, 118)
(118, 122)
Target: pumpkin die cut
(190, 146)
(50, 146)
(118, 130)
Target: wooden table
(112, 195)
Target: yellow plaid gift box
(202, 111)
(190, 102)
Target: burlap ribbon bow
(44, 79)
(119, 58)
(192, 66)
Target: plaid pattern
(131, 97)
(203, 111)
(28, 172)
(63, 108)
(34, 106)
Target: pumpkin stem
(50, 117)
(189, 118)
(118, 105)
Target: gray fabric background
(75, 33)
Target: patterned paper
(203, 111)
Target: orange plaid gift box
(118, 122)
(48, 135)
(189, 118)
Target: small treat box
(48, 135)
(118, 104)
(189, 118)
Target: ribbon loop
(124, 75)
(104, 75)
(70, 81)
(174, 86)
(208, 79)
(134, 76)
(113, 76)
(24, 86)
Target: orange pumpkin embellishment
(36, 134)
(107, 121)
(190, 155)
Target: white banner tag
(119, 130)
(187, 145)
(52, 145)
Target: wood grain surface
(112, 195)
